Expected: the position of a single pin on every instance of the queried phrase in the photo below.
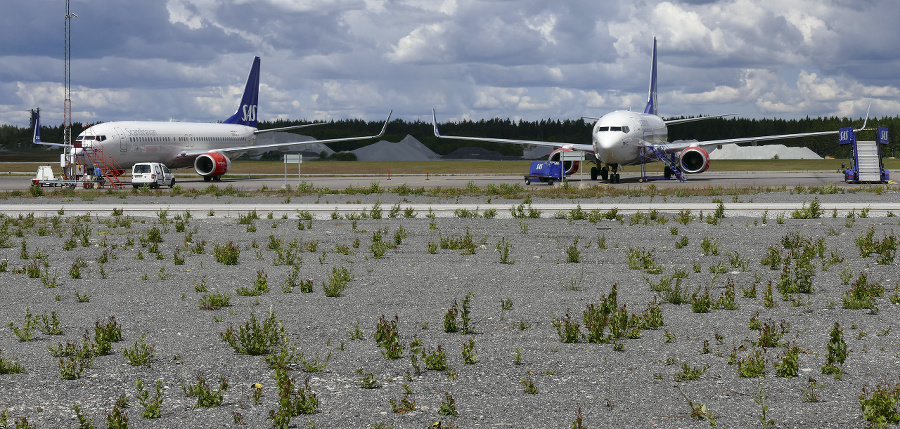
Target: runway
(789, 179)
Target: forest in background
(16, 141)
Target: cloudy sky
(531, 59)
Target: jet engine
(693, 160)
(211, 165)
(569, 167)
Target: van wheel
(172, 183)
(136, 186)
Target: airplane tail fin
(651, 99)
(37, 131)
(246, 113)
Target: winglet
(651, 99)
(246, 114)
(384, 128)
(434, 123)
(866, 121)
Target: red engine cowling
(569, 167)
(693, 160)
(212, 164)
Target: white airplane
(205, 146)
(630, 138)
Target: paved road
(629, 179)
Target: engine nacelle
(212, 164)
(569, 167)
(693, 160)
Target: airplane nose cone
(605, 143)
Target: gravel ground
(636, 386)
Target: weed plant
(689, 373)
(837, 352)
(448, 406)
(150, 403)
(503, 250)
(215, 301)
(813, 211)
(465, 314)
(450, 323)
(468, 352)
(753, 365)
(226, 254)
(862, 294)
(435, 359)
(528, 384)
(316, 364)
(701, 302)
(387, 335)
(255, 338)
(141, 354)
(789, 364)
(573, 255)
(84, 422)
(116, 418)
(337, 282)
(567, 328)
(879, 405)
(10, 367)
(642, 259)
(367, 380)
(206, 396)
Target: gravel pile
(629, 382)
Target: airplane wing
(292, 127)
(573, 146)
(679, 146)
(286, 144)
(701, 118)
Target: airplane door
(189, 140)
(123, 141)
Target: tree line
(18, 139)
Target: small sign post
(292, 159)
(574, 156)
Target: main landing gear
(603, 173)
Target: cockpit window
(621, 129)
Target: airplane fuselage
(617, 136)
(166, 142)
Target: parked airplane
(206, 146)
(630, 138)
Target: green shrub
(226, 254)
(879, 405)
(142, 354)
(255, 338)
(336, 284)
(10, 367)
(206, 396)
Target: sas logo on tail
(249, 112)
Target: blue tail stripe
(37, 131)
(246, 114)
(651, 99)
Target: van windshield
(141, 169)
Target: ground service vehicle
(152, 174)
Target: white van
(152, 174)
